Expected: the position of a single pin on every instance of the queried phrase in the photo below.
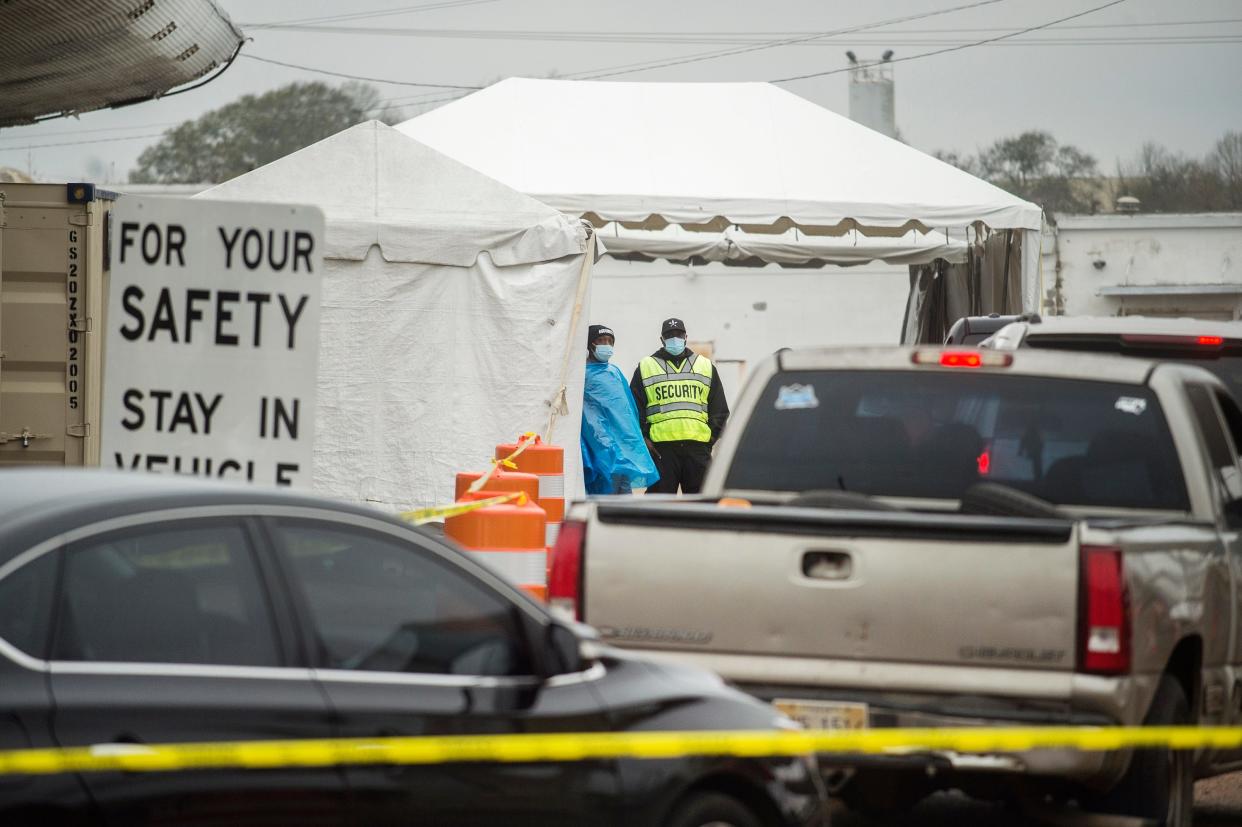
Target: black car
(971, 330)
(143, 609)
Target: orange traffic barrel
(500, 480)
(509, 537)
(548, 463)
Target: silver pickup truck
(946, 537)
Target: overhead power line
(444, 4)
(985, 41)
(79, 143)
(772, 44)
(358, 77)
(687, 37)
(27, 137)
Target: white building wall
(1150, 264)
(746, 313)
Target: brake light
(984, 462)
(565, 577)
(1172, 341)
(962, 358)
(952, 359)
(1104, 612)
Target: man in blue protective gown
(615, 459)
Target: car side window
(381, 604)
(1233, 424)
(1221, 453)
(26, 605)
(174, 592)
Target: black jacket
(717, 405)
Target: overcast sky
(1171, 81)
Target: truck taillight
(962, 358)
(1104, 613)
(565, 579)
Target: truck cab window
(1222, 451)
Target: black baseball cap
(597, 330)
(672, 326)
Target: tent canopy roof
(708, 155)
(788, 249)
(378, 187)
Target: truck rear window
(933, 434)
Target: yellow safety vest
(677, 397)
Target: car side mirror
(564, 650)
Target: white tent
(791, 248)
(448, 303)
(711, 155)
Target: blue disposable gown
(614, 454)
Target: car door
(408, 642)
(166, 631)
(1223, 434)
(27, 585)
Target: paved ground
(1218, 803)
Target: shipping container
(53, 283)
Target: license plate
(825, 714)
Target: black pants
(683, 464)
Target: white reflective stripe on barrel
(551, 532)
(551, 486)
(522, 566)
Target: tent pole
(559, 404)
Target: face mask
(675, 346)
(603, 352)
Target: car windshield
(933, 434)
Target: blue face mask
(603, 352)
(675, 346)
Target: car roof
(39, 503)
(1121, 325)
(984, 324)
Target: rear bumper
(891, 710)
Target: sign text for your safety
(213, 339)
(231, 318)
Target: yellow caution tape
(425, 515)
(598, 745)
(524, 441)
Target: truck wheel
(712, 810)
(1160, 784)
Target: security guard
(682, 409)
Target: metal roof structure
(60, 58)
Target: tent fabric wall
(447, 305)
(425, 368)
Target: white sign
(213, 339)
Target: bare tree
(1226, 161)
(1167, 181)
(1033, 165)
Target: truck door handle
(827, 565)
